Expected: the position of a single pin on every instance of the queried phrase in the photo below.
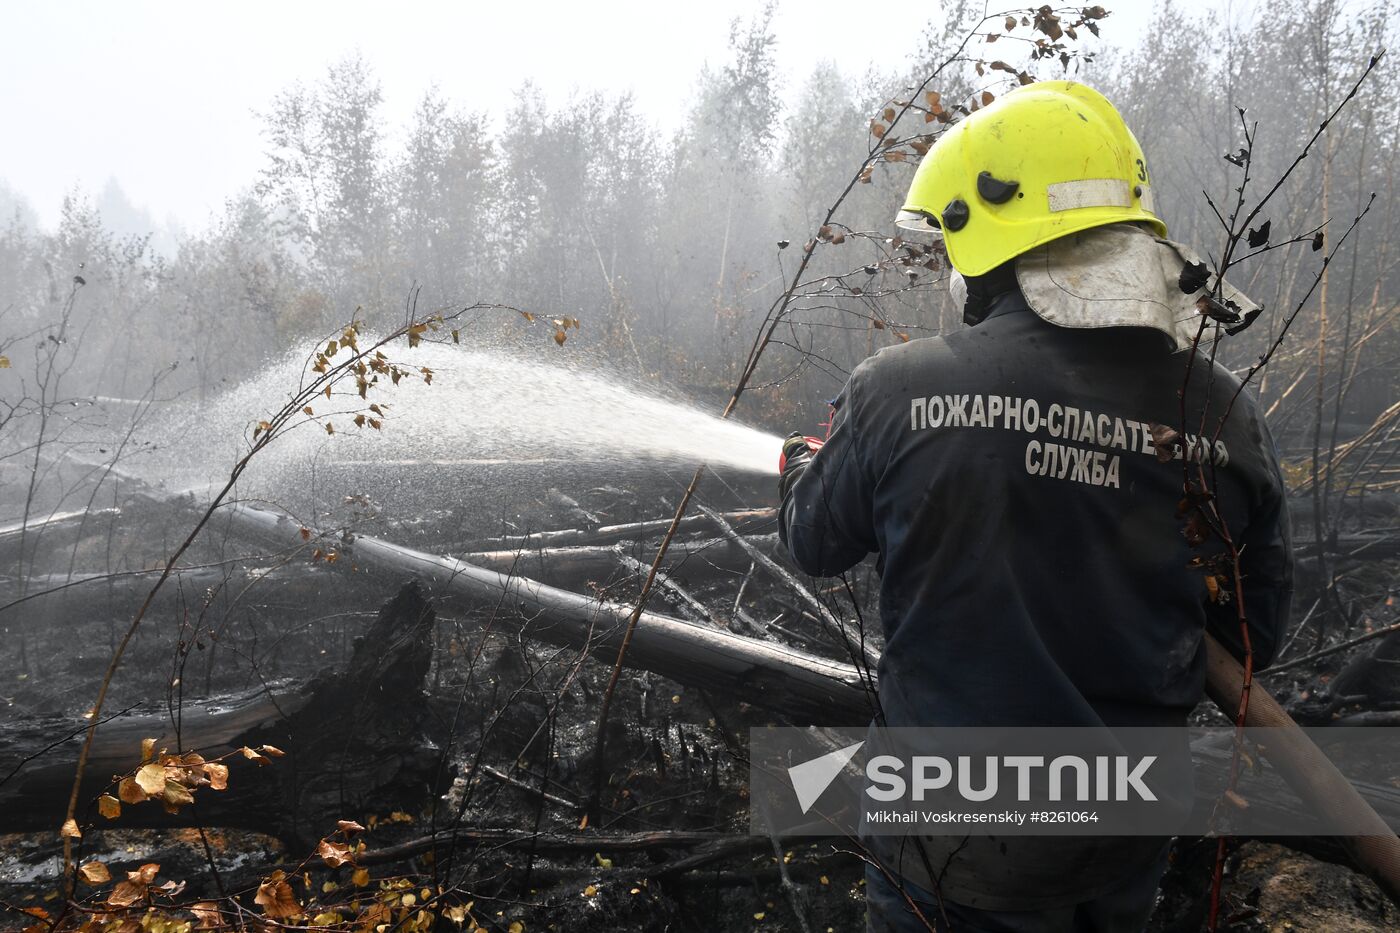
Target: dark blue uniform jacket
(1033, 565)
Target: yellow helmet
(1047, 160)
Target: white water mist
(481, 406)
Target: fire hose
(1307, 770)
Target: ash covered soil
(521, 748)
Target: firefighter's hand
(797, 453)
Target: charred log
(355, 742)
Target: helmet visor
(918, 220)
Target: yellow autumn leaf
(95, 873)
(515, 927)
(251, 754)
(109, 806)
(176, 794)
(360, 878)
(131, 792)
(4, 361)
(148, 746)
(70, 830)
(151, 778)
(590, 891)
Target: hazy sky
(162, 96)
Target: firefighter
(1033, 566)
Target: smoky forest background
(402, 346)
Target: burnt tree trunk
(355, 743)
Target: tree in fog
(325, 176)
(716, 212)
(446, 202)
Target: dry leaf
(109, 806)
(334, 854)
(133, 890)
(1166, 440)
(176, 795)
(151, 778)
(249, 753)
(217, 774)
(207, 913)
(70, 830)
(276, 899)
(131, 792)
(95, 873)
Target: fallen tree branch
(1334, 649)
(585, 842)
(771, 676)
(574, 563)
(747, 520)
(853, 641)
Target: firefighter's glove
(797, 454)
